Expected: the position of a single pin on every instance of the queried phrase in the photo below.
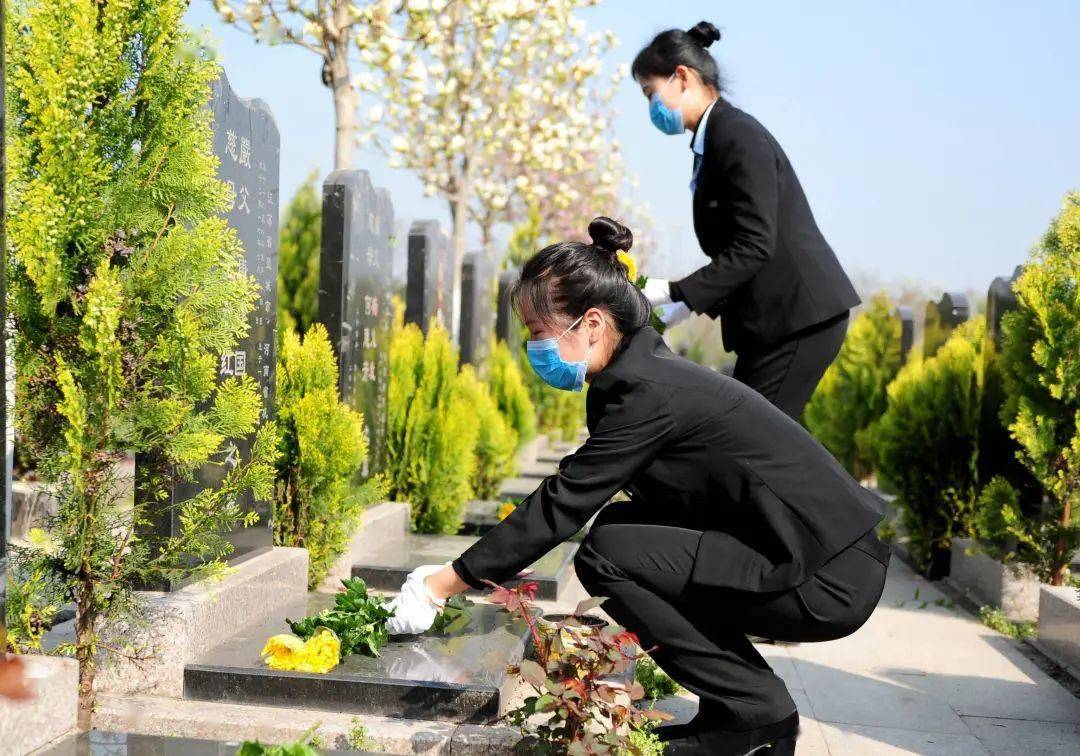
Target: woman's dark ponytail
(675, 47)
(566, 279)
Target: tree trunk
(459, 211)
(344, 94)
(1061, 558)
(85, 619)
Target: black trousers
(786, 373)
(641, 560)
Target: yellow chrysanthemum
(628, 261)
(506, 509)
(320, 653)
(283, 651)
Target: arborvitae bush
(318, 501)
(1040, 345)
(298, 259)
(125, 287)
(510, 393)
(926, 442)
(496, 439)
(431, 429)
(851, 394)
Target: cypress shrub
(496, 439)
(511, 393)
(852, 393)
(926, 443)
(323, 445)
(431, 432)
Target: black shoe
(775, 739)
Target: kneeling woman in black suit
(775, 283)
(738, 520)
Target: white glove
(657, 291)
(415, 608)
(675, 312)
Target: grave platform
(387, 567)
(517, 488)
(103, 742)
(451, 678)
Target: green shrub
(926, 442)
(431, 431)
(851, 394)
(496, 440)
(323, 445)
(511, 393)
(298, 259)
(1040, 344)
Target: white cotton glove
(657, 291)
(675, 312)
(415, 608)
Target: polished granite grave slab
(105, 743)
(481, 515)
(459, 677)
(538, 470)
(387, 568)
(514, 489)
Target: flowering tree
(327, 28)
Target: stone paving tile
(1029, 737)
(865, 740)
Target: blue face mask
(552, 368)
(668, 120)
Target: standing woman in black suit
(775, 283)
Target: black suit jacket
(772, 272)
(773, 501)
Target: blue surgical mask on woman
(668, 120)
(549, 364)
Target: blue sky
(934, 140)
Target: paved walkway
(921, 676)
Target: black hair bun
(610, 236)
(704, 33)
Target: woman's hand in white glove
(675, 312)
(657, 291)
(415, 607)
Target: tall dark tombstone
(505, 319)
(248, 146)
(476, 311)
(907, 330)
(355, 290)
(941, 318)
(422, 288)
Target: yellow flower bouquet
(319, 653)
(639, 281)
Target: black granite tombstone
(476, 311)
(248, 147)
(907, 330)
(355, 291)
(506, 323)
(423, 290)
(941, 318)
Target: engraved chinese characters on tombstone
(941, 318)
(355, 290)
(248, 146)
(477, 313)
(907, 330)
(505, 319)
(425, 285)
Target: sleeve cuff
(466, 576)
(675, 291)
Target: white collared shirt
(698, 143)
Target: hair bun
(610, 236)
(704, 33)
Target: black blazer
(772, 272)
(773, 501)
